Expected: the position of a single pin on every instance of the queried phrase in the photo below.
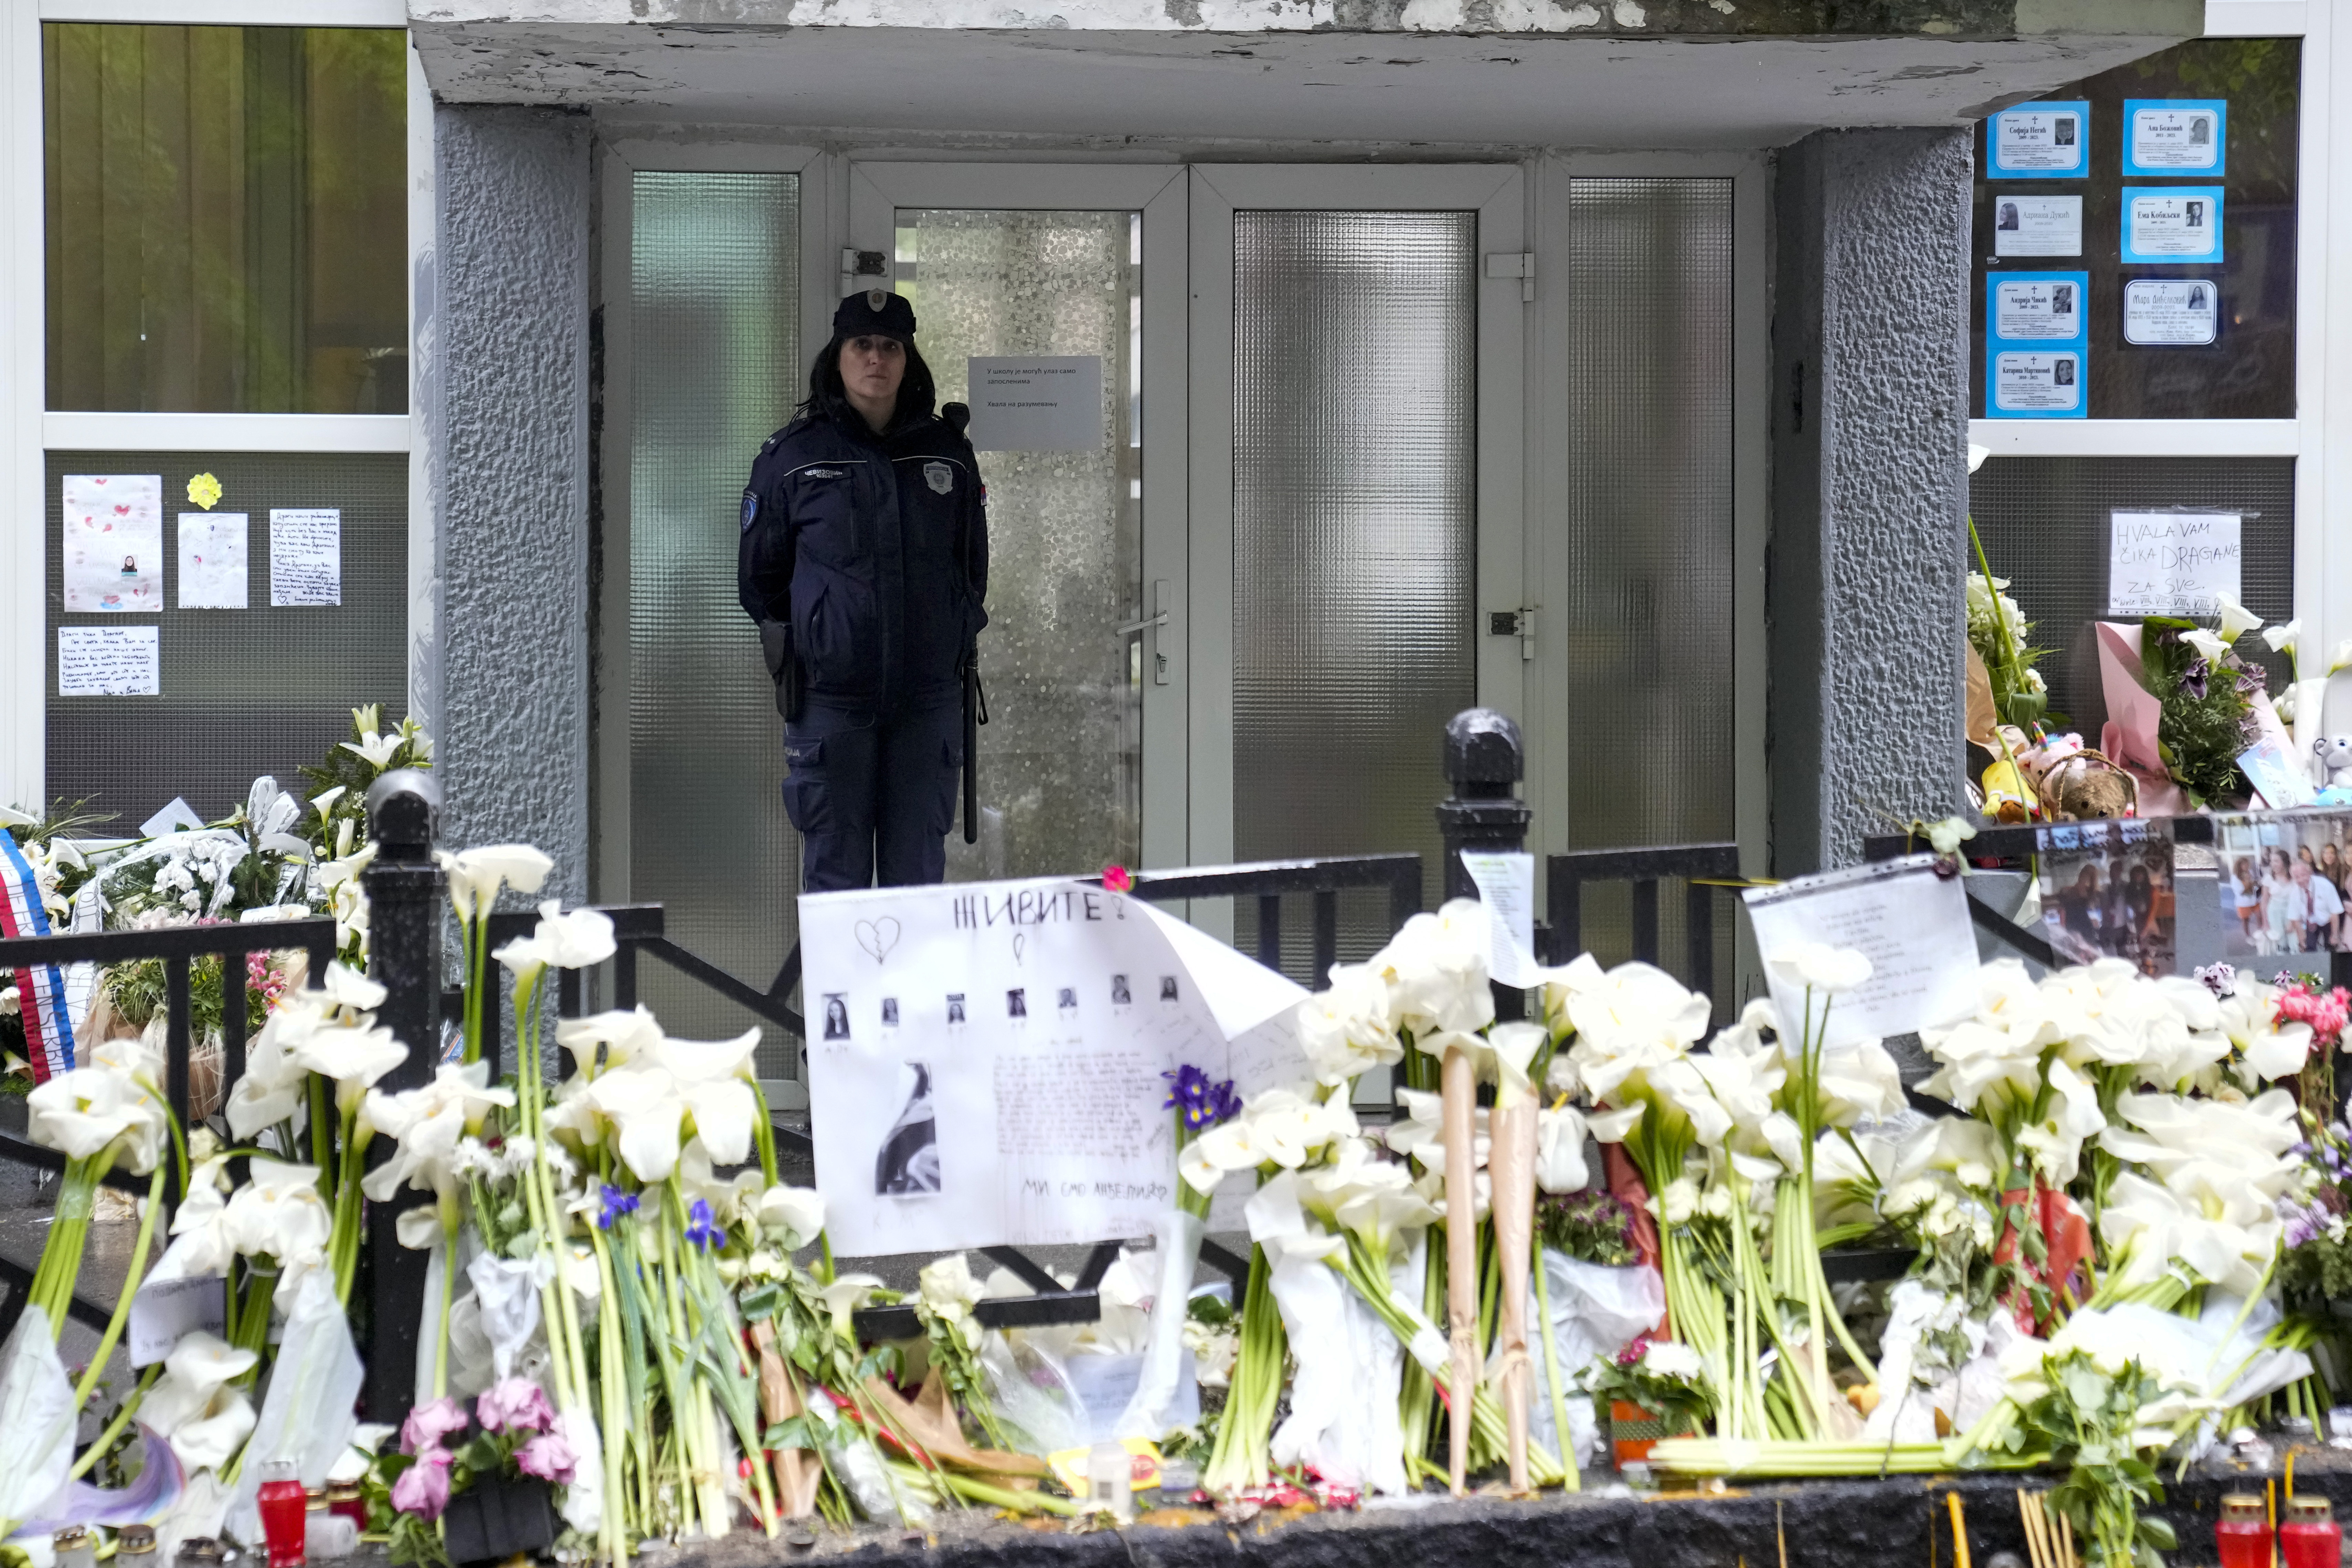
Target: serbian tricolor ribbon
(41, 989)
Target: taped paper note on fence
(984, 1059)
(1912, 925)
(1506, 886)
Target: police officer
(864, 558)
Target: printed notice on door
(2172, 562)
(1049, 403)
(306, 556)
(2172, 136)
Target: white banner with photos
(985, 1058)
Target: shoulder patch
(939, 477)
(750, 509)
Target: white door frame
(1496, 191)
(877, 190)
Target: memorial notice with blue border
(2178, 225)
(2164, 138)
(2037, 345)
(2048, 140)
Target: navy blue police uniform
(864, 558)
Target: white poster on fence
(1910, 922)
(985, 1058)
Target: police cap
(875, 313)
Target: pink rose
(549, 1457)
(514, 1405)
(423, 1488)
(427, 1425)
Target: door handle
(1134, 626)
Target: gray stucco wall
(511, 438)
(1865, 591)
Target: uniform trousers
(873, 792)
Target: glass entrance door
(1030, 295)
(1356, 403)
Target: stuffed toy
(2006, 794)
(2077, 782)
(2335, 754)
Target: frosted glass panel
(715, 340)
(1646, 289)
(1355, 491)
(1061, 758)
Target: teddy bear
(2335, 754)
(2078, 782)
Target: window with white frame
(224, 216)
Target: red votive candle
(2310, 1537)
(283, 1505)
(2243, 1535)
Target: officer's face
(872, 368)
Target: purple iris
(1197, 1100)
(2192, 679)
(702, 1227)
(616, 1203)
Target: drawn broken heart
(1019, 942)
(878, 937)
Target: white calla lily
(2236, 619)
(613, 1039)
(1818, 966)
(2209, 647)
(475, 876)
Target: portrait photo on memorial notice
(2048, 140)
(2036, 225)
(2037, 307)
(985, 1064)
(2284, 884)
(109, 661)
(2033, 383)
(306, 556)
(211, 561)
(2174, 562)
(112, 544)
(2107, 892)
(1037, 403)
(2180, 223)
(2175, 136)
(1909, 921)
(2171, 313)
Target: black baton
(972, 720)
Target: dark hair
(829, 397)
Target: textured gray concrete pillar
(512, 442)
(1864, 592)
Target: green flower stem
(320, 1094)
(621, 1421)
(764, 1134)
(114, 1428)
(1551, 1379)
(1006, 1497)
(1239, 1459)
(138, 1248)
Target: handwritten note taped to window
(108, 661)
(1912, 925)
(2172, 562)
(306, 556)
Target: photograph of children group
(2285, 885)
(2107, 892)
